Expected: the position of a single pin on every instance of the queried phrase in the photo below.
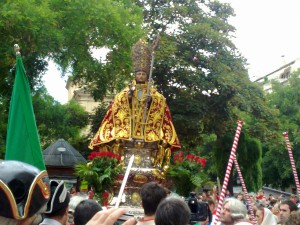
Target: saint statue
(139, 122)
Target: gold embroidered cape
(126, 120)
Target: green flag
(22, 142)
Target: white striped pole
(228, 169)
(286, 136)
(253, 219)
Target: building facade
(281, 75)
(84, 98)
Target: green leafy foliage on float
(187, 173)
(100, 172)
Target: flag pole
(17, 49)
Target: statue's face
(140, 77)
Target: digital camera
(199, 210)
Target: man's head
(85, 210)
(293, 198)
(233, 211)
(204, 196)
(58, 205)
(172, 211)
(252, 199)
(24, 193)
(285, 209)
(211, 204)
(293, 219)
(141, 77)
(240, 196)
(259, 213)
(74, 201)
(151, 194)
(275, 210)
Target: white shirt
(48, 221)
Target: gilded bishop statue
(139, 122)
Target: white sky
(266, 30)
(56, 85)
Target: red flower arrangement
(187, 172)
(190, 157)
(100, 172)
(103, 154)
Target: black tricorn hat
(60, 197)
(24, 189)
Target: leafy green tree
(114, 25)
(276, 164)
(3, 129)
(249, 157)
(68, 31)
(203, 76)
(55, 121)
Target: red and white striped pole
(228, 169)
(286, 136)
(253, 219)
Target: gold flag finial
(17, 49)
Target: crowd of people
(28, 197)
(267, 210)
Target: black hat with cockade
(24, 189)
(60, 197)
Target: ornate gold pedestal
(142, 171)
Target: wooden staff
(253, 219)
(286, 136)
(228, 170)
